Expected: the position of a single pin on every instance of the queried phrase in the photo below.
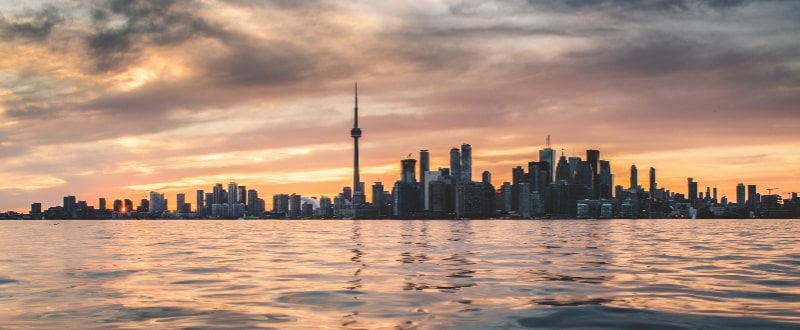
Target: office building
(548, 155)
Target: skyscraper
(157, 203)
(232, 199)
(424, 164)
(692, 190)
(241, 195)
(200, 195)
(634, 177)
(408, 173)
(548, 155)
(562, 170)
(752, 198)
(424, 167)
(455, 164)
(253, 207)
(181, 202)
(740, 197)
(593, 158)
(606, 181)
(466, 163)
(355, 133)
(652, 182)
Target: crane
(769, 190)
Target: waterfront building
(379, 199)
(253, 207)
(466, 163)
(548, 155)
(36, 211)
(326, 207)
(280, 204)
(157, 203)
(634, 177)
(424, 165)
(753, 198)
(593, 158)
(241, 195)
(606, 181)
(692, 191)
(584, 175)
(562, 170)
(408, 174)
(524, 203)
(180, 207)
(69, 204)
(517, 177)
(295, 205)
(652, 183)
(219, 194)
(200, 198)
(506, 193)
(455, 163)
(573, 165)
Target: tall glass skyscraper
(466, 163)
(455, 164)
(549, 155)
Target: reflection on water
(363, 274)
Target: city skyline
(115, 101)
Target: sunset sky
(117, 98)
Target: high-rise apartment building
(200, 196)
(634, 177)
(455, 163)
(157, 203)
(408, 172)
(181, 202)
(692, 190)
(466, 163)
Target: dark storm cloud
(145, 23)
(286, 4)
(32, 24)
(647, 5)
(248, 64)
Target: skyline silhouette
(104, 100)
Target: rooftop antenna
(548, 141)
(355, 123)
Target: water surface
(655, 274)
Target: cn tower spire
(355, 133)
(355, 123)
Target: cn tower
(355, 133)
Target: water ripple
(614, 274)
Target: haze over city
(118, 98)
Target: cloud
(32, 24)
(130, 93)
(123, 30)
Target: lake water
(634, 274)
